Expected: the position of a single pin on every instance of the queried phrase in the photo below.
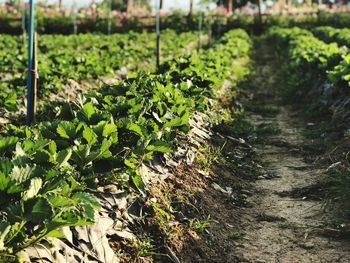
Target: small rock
(307, 245)
(113, 189)
(246, 192)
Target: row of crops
(312, 60)
(79, 57)
(317, 63)
(49, 172)
(56, 23)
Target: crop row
(311, 60)
(331, 34)
(48, 170)
(79, 57)
(54, 22)
(318, 74)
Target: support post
(157, 33)
(74, 17)
(260, 18)
(200, 22)
(23, 18)
(110, 17)
(219, 20)
(210, 33)
(31, 78)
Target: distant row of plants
(312, 60)
(60, 23)
(331, 34)
(48, 172)
(68, 24)
(79, 57)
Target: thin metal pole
(157, 34)
(74, 17)
(30, 79)
(110, 17)
(209, 17)
(259, 9)
(200, 22)
(23, 17)
(219, 20)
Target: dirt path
(286, 218)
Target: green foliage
(198, 225)
(310, 61)
(79, 57)
(338, 193)
(46, 170)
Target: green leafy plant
(46, 170)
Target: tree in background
(191, 8)
(128, 5)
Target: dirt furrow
(285, 220)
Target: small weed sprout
(208, 155)
(198, 225)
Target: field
(234, 149)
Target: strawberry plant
(79, 57)
(46, 170)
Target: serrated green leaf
(86, 112)
(178, 121)
(37, 210)
(138, 182)
(136, 129)
(10, 102)
(63, 157)
(55, 233)
(42, 156)
(66, 130)
(109, 129)
(5, 166)
(86, 199)
(34, 188)
(6, 143)
(98, 128)
(21, 174)
(4, 181)
(159, 146)
(4, 231)
(52, 147)
(89, 135)
(60, 201)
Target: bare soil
(287, 219)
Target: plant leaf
(89, 135)
(37, 210)
(34, 188)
